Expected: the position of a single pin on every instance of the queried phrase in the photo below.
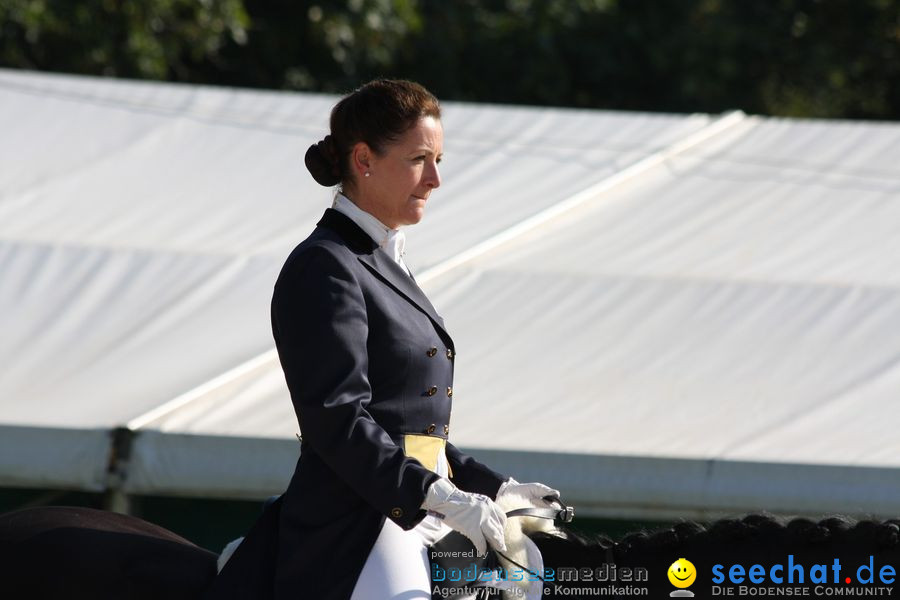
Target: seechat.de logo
(682, 574)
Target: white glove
(473, 515)
(530, 491)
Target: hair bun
(322, 162)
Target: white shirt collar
(392, 241)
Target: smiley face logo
(682, 573)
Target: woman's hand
(473, 515)
(535, 492)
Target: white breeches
(397, 567)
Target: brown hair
(377, 113)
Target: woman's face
(403, 176)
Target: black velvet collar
(356, 238)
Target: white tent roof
(659, 314)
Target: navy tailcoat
(368, 363)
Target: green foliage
(828, 58)
(159, 39)
(784, 57)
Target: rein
(564, 514)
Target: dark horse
(64, 552)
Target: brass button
(449, 392)
(446, 429)
(432, 390)
(450, 353)
(430, 428)
(431, 352)
(396, 512)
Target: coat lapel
(393, 274)
(386, 269)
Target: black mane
(753, 539)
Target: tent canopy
(658, 314)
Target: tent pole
(116, 499)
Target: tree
(153, 39)
(839, 58)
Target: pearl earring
(367, 173)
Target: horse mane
(867, 536)
(764, 528)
